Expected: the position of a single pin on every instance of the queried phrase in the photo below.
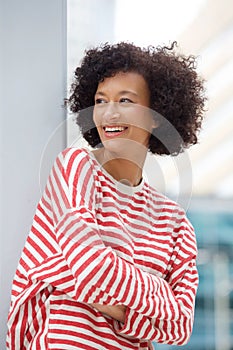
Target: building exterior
(213, 223)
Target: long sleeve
(175, 329)
(157, 309)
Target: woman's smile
(114, 130)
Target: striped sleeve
(163, 329)
(156, 309)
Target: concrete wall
(32, 88)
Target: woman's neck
(127, 170)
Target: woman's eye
(99, 101)
(125, 100)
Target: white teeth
(113, 129)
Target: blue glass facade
(213, 326)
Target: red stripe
(30, 256)
(45, 215)
(42, 238)
(86, 337)
(62, 192)
(72, 157)
(38, 249)
(42, 306)
(64, 342)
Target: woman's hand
(117, 311)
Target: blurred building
(89, 23)
(210, 36)
(213, 322)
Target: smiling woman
(124, 125)
(110, 263)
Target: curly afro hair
(176, 91)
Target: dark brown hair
(176, 90)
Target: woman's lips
(114, 131)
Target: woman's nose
(111, 112)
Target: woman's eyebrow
(128, 92)
(100, 93)
(123, 92)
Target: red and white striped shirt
(95, 240)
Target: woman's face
(121, 112)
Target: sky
(153, 22)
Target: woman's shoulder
(164, 204)
(160, 198)
(75, 155)
(172, 213)
(74, 152)
(73, 160)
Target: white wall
(32, 88)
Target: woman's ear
(156, 122)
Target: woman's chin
(116, 145)
(124, 149)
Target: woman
(110, 263)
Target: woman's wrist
(115, 311)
